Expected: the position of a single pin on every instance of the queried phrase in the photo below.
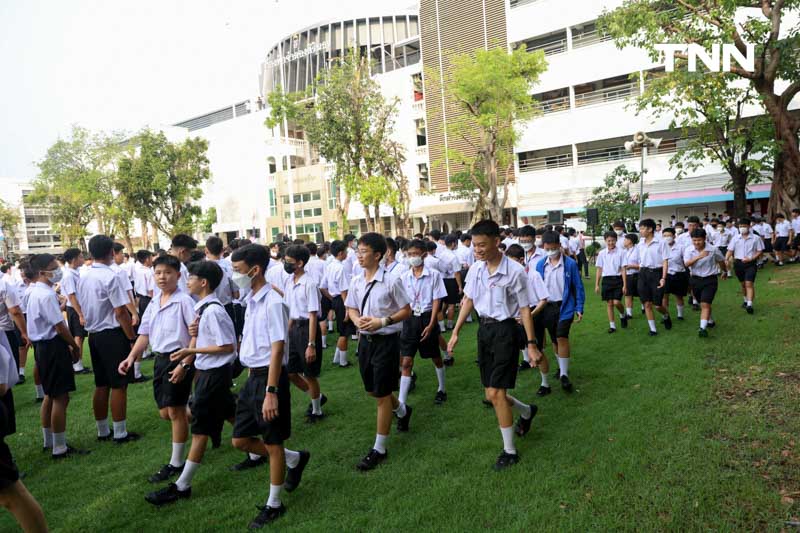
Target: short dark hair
(551, 237)
(450, 239)
(488, 228)
(430, 246)
(322, 250)
(337, 247)
(375, 241)
(181, 240)
(4, 268)
(678, 224)
(796, 210)
(610, 235)
(70, 254)
(298, 252)
(648, 223)
(169, 261)
(419, 244)
(142, 255)
(502, 246)
(435, 234)
(100, 246)
(311, 247)
(779, 215)
(693, 220)
(214, 245)
(527, 231)
(465, 237)
(669, 230)
(196, 255)
(515, 251)
(632, 237)
(391, 244)
(40, 262)
(208, 270)
(699, 233)
(744, 221)
(118, 247)
(349, 238)
(252, 255)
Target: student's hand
(451, 344)
(426, 332)
(724, 276)
(702, 254)
(579, 316)
(177, 374)
(661, 283)
(746, 259)
(193, 327)
(269, 409)
(311, 354)
(371, 324)
(597, 289)
(26, 342)
(124, 366)
(82, 319)
(180, 354)
(134, 320)
(625, 290)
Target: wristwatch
(186, 366)
(389, 320)
(311, 345)
(531, 342)
(272, 389)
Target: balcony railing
(517, 3)
(294, 146)
(545, 162)
(553, 105)
(609, 94)
(421, 151)
(551, 48)
(418, 107)
(589, 38)
(601, 155)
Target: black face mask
(289, 268)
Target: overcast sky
(110, 65)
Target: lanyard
(366, 295)
(413, 283)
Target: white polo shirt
(214, 329)
(302, 296)
(224, 290)
(675, 260)
(499, 295)
(336, 279)
(100, 292)
(266, 320)
(448, 263)
(386, 297)
(423, 290)
(782, 229)
(44, 312)
(631, 260)
(315, 268)
(143, 281)
(554, 279)
(742, 246)
(167, 325)
(652, 254)
(69, 283)
(706, 266)
(611, 261)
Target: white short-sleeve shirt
(742, 246)
(386, 297)
(44, 312)
(302, 296)
(266, 320)
(707, 266)
(652, 254)
(499, 295)
(423, 290)
(214, 329)
(9, 297)
(782, 229)
(100, 292)
(167, 325)
(611, 261)
(69, 283)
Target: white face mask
(527, 246)
(620, 233)
(552, 253)
(678, 231)
(55, 275)
(668, 240)
(744, 230)
(415, 261)
(538, 242)
(243, 281)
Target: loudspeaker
(279, 237)
(320, 237)
(555, 217)
(592, 217)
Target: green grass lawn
(665, 433)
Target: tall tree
(492, 88)
(391, 166)
(9, 220)
(617, 198)
(646, 23)
(160, 180)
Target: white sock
(330, 325)
(324, 342)
(621, 316)
(749, 303)
(47, 435)
(336, 356)
(508, 440)
(380, 443)
(405, 386)
(137, 370)
(680, 311)
(449, 324)
(744, 299)
(612, 325)
(446, 355)
(316, 405)
(652, 324)
(523, 408)
(343, 357)
(22, 371)
(292, 457)
(102, 428)
(59, 443)
(401, 410)
(185, 479)
(274, 500)
(563, 366)
(253, 457)
(665, 316)
(629, 311)
(39, 391)
(703, 324)
(120, 429)
(440, 376)
(77, 367)
(545, 382)
(177, 454)
(525, 356)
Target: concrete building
(35, 232)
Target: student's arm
(138, 349)
(347, 315)
(63, 332)
(325, 293)
(539, 306)
(527, 322)
(73, 299)
(459, 282)
(131, 305)
(695, 259)
(624, 274)
(466, 309)
(664, 270)
(597, 276)
(124, 318)
(19, 321)
(437, 304)
(269, 409)
(311, 349)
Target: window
(306, 196)
(275, 232)
(285, 199)
(422, 136)
(332, 194)
(552, 43)
(416, 79)
(424, 179)
(315, 195)
(273, 203)
(317, 211)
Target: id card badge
(417, 311)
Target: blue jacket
(574, 296)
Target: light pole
(641, 140)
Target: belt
(163, 354)
(259, 370)
(553, 304)
(650, 269)
(487, 320)
(714, 276)
(376, 337)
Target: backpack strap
(205, 305)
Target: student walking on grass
(73, 261)
(705, 263)
(631, 272)
(213, 354)
(677, 277)
(165, 327)
(746, 249)
(377, 303)
(612, 279)
(653, 266)
(497, 289)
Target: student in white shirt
(497, 289)
(55, 350)
(795, 234)
(451, 275)
(13, 324)
(745, 249)
(73, 261)
(653, 267)
(318, 263)
(376, 304)
(338, 283)
(705, 262)
(631, 271)
(764, 230)
(125, 281)
(226, 290)
(677, 276)
(110, 336)
(780, 238)
(263, 410)
(304, 345)
(213, 402)
(613, 275)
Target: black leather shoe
(248, 464)
(106, 438)
(524, 365)
(440, 398)
(413, 384)
(487, 403)
(702, 333)
(566, 385)
(71, 452)
(624, 321)
(322, 401)
(165, 472)
(141, 379)
(652, 333)
(711, 324)
(744, 305)
(21, 379)
(371, 460)
(449, 361)
(266, 516)
(313, 419)
(168, 494)
(130, 437)
(543, 391)
(295, 475)
(402, 423)
(524, 426)
(680, 318)
(504, 460)
(749, 309)
(667, 323)
(612, 330)
(695, 307)
(84, 370)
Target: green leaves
(617, 198)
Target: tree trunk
(739, 187)
(785, 193)
(378, 220)
(145, 235)
(370, 225)
(155, 236)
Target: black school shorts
(451, 286)
(8, 468)
(108, 349)
(238, 319)
(410, 341)
(325, 307)
(249, 420)
(796, 242)
(74, 324)
(498, 353)
(144, 301)
(649, 278)
(745, 271)
(767, 245)
(55, 366)
(14, 342)
(611, 288)
(379, 363)
(678, 283)
(633, 285)
(782, 244)
(297, 344)
(551, 321)
(213, 402)
(704, 288)
(169, 394)
(344, 328)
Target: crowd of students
(207, 316)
